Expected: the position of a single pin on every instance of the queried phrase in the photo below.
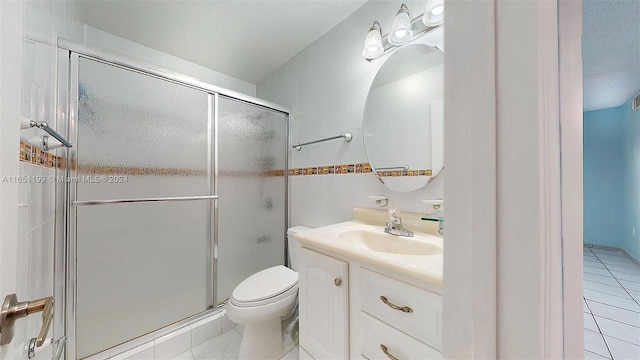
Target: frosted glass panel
(140, 267)
(148, 133)
(251, 186)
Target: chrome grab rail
(405, 168)
(142, 200)
(347, 137)
(44, 126)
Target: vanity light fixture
(401, 28)
(434, 13)
(373, 42)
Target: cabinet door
(324, 310)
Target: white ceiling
(610, 52)
(241, 38)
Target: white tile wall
(326, 87)
(35, 206)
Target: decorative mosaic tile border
(354, 169)
(33, 155)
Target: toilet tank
(294, 246)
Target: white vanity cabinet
(374, 313)
(324, 305)
(396, 319)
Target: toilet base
(262, 340)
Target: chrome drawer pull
(386, 352)
(405, 309)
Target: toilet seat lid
(265, 284)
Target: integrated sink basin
(363, 240)
(378, 240)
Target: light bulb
(401, 28)
(434, 13)
(373, 42)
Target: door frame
(571, 137)
(514, 234)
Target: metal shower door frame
(69, 54)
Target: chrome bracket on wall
(13, 310)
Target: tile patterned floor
(224, 347)
(611, 305)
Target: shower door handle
(13, 310)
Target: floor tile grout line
(614, 276)
(618, 307)
(598, 326)
(624, 262)
(626, 290)
(625, 266)
(604, 317)
(599, 331)
(603, 339)
(611, 253)
(595, 354)
(592, 267)
(602, 292)
(624, 272)
(601, 334)
(599, 283)
(637, 282)
(613, 337)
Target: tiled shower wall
(36, 208)
(326, 87)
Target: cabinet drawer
(423, 322)
(377, 334)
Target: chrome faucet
(395, 227)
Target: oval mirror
(403, 124)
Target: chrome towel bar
(44, 126)
(142, 200)
(346, 136)
(405, 168)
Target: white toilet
(261, 301)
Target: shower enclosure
(175, 191)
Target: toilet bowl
(260, 302)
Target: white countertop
(426, 268)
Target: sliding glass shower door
(148, 243)
(252, 210)
(142, 200)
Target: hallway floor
(611, 305)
